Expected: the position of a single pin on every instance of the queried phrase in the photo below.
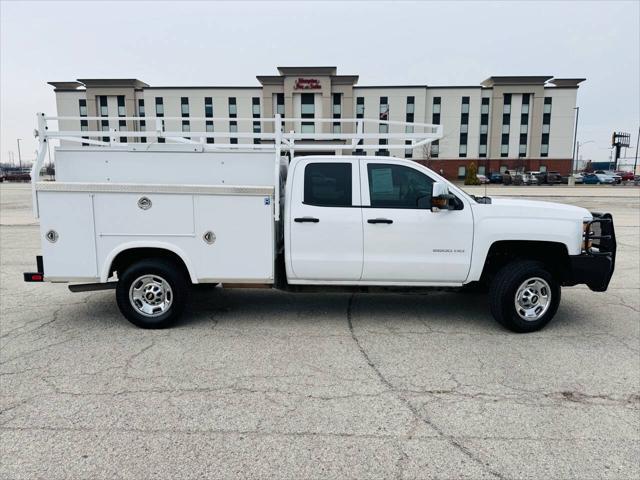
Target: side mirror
(440, 198)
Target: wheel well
(129, 256)
(553, 255)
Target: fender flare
(106, 265)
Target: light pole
(19, 156)
(578, 151)
(575, 140)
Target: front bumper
(595, 266)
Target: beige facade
(536, 124)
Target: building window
(524, 125)
(465, 105)
(307, 127)
(160, 113)
(184, 106)
(84, 124)
(484, 107)
(546, 128)
(481, 170)
(337, 105)
(337, 128)
(143, 123)
(255, 107)
(104, 112)
(233, 108)
(462, 171)
(507, 104)
(257, 129)
(464, 127)
(383, 128)
(307, 105)
(307, 110)
(122, 126)
(104, 109)
(384, 108)
(543, 168)
(122, 111)
(82, 105)
(411, 105)
(209, 129)
(186, 126)
(506, 121)
(360, 107)
(503, 168)
(437, 104)
(233, 128)
(484, 126)
(208, 107)
(280, 104)
(159, 107)
(435, 114)
(435, 149)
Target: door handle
(306, 219)
(380, 220)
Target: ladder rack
(282, 135)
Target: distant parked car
(549, 178)
(625, 176)
(616, 178)
(528, 178)
(597, 179)
(482, 178)
(1, 175)
(578, 177)
(17, 177)
(495, 177)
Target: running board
(92, 287)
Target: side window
(397, 186)
(327, 184)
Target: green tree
(471, 178)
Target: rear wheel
(152, 293)
(524, 296)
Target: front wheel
(524, 296)
(152, 293)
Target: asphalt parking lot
(260, 384)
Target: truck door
(406, 243)
(325, 221)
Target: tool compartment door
(73, 253)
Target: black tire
(505, 285)
(158, 269)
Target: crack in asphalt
(450, 439)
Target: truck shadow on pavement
(436, 310)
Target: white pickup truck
(150, 219)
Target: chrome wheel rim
(150, 295)
(533, 299)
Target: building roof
(517, 80)
(567, 82)
(113, 82)
(66, 85)
(331, 71)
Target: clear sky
(228, 43)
